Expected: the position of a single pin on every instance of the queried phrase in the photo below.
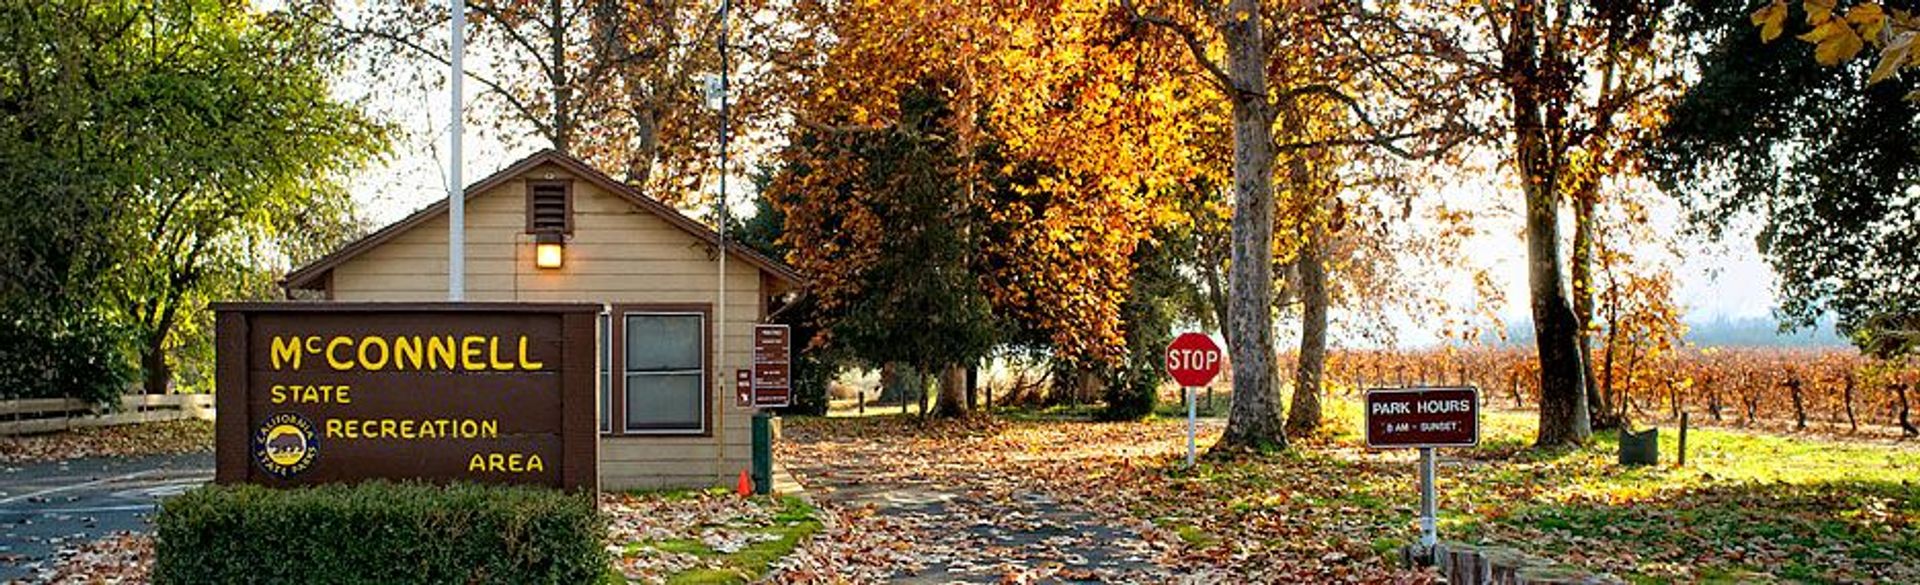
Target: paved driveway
(44, 506)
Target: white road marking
(91, 510)
(84, 484)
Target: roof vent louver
(549, 207)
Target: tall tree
(619, 84)
(1828, 175)
(221, 143)
(1564, 137)
(883, 216)
(1256, 39)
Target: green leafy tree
(916, 298)
(191, 146)
(1826, 168)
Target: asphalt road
(45, 506)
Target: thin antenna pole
(456, 200)
(720, 302)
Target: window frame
(617, 402)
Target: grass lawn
(705, 537)
(1747, 507)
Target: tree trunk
(891, 386)
(1853, 423)
(1583, 203)
(1563, 391)
(1304, 417)
(155, 373)
(1906, 422)
(1794, 387)
(973, 386)
(561, 120)
(953, 394)
(1254, 422)
(615, 61)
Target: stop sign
(1193, 359)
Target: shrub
(379, 532)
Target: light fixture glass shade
(549, 251)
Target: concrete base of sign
(1464, 564)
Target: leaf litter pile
(1120, 507)
(1001, 501)
(155, 438)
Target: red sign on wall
(743, 387)
(1423, 417)
(1194, 359)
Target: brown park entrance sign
(314, 393)
(1423, 417)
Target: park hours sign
(1405, 418)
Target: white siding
(618, 254)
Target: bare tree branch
(1196, 47)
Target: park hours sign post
(1423, 418)
(1193, 360)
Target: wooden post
(1683, 439)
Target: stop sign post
(1193, 359)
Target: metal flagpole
(720, 212)
(456, 200)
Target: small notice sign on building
(772, 366)
(1423, 417)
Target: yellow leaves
(1834, 42)
(1818, 11)
(1771, 19)
(1868, 18)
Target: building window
(664, 372)
(550, 207)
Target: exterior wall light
(549, 249)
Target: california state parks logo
(285, 445)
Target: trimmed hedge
(379, 532)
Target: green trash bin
(1640, 448)
(762, 453)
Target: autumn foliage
(1774, 388)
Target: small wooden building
(552, 228)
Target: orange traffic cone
(745, 487)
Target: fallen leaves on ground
(155, 438)
(1330, 510)
(119, 558)
(1024, 501)
(653, 536)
